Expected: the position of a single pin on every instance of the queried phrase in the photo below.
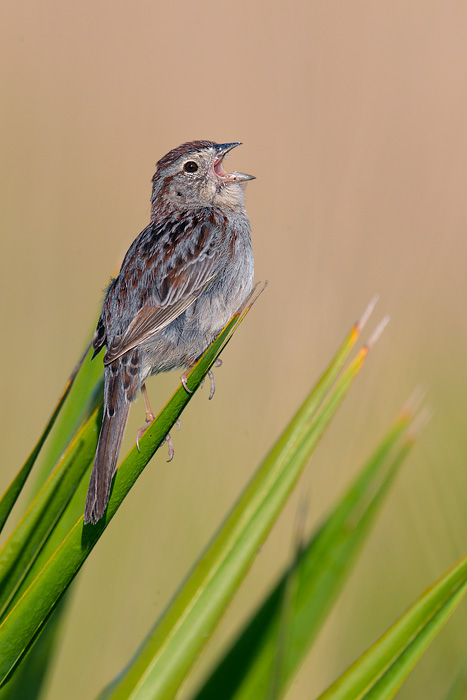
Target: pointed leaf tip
(414, 402)
(420, 422)
(377, 332)
(367, 313)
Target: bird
(183, 278)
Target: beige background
(353, 117)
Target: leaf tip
(377, 332)
(413, 403)
(419, 423)
(366, 314)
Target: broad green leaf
(379, 673)
(269, 649)
(25, 543)
(36, 602)
(172, 646)
(27, 683)
(10, 496)
(84, 385)
(60, 532)
(27, 675)
(79, 406)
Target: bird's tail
(116, 409)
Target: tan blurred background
(354, 120)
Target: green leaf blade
(173, 644)
(317, 575)
(24, 545)
(388, 685)
(36, 599)
(379, 672)
(10, 496)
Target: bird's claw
(142, 430)
(217, 363)
(213, 386)
(140, 434)
(185, 385)
(168, 440)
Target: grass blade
(10, 496)
(162, 662)
(84, 384)
(458, 691)
(35, 603)
(25, 543)
(317, 575)
(78, 408)
(379, 673)
(28, 682)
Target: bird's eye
(190, 166)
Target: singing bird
(181, 281)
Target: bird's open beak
(221, 150)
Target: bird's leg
(183, 378)
(169, 442)
(149, 416)
(149, 413)
(149, 419)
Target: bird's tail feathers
(116, 410)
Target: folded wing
(179, 273)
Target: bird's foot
(149, 419)
(183, 379)
(169, 442)
(217, 363)
(212, 390)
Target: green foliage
(173, 644)
(10, 496)
(56, 557)
(306, 592)
(379, 673)
(44, 553)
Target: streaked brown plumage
(180, 282)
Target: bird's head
(193, 175)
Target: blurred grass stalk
(83, 393)
(277, 637)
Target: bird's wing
(176, 275)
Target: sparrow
(186, 274)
